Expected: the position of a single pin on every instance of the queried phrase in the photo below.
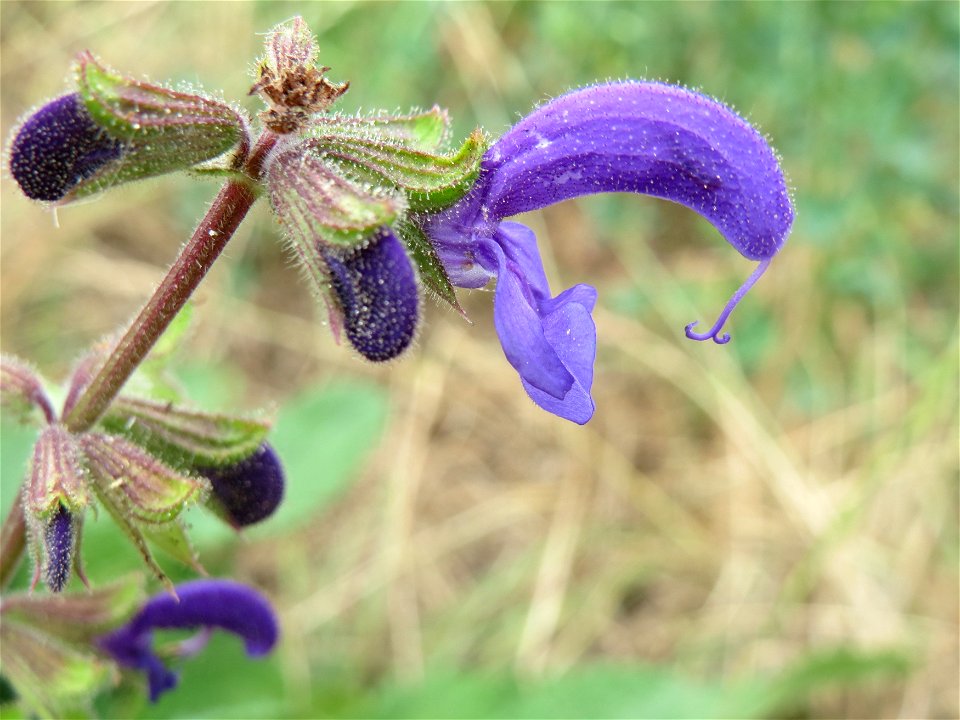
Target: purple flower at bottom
(648, 138)
(203, 604)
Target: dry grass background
(727, 510)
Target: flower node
(294, 95)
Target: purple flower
(204, 604)
(250, 490)
(58, 147)
(648, 138)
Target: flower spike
(648, 138)
(340, 231)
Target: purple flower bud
(375, 286)
(250, 490)
(58, 147)
(203, 604)
(58, 545)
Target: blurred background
(762, 529)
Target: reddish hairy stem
(183, 278)
(196, 258)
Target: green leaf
(110, 552)
(154, 378)
(162, 130)
(432, 273)
(210, 387)
(623, 691)
(207, 529)
(175, 334)
(837, 667)
(16, 445)
(172, 538)
(430, 181)
(185, 438)
(627, 692)
(134, 535)
(219, 682)
(445, 694)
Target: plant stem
(183, 278)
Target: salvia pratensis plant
(378, 211)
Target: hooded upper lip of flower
(205, 604)
(642, 137)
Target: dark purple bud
(376, 288)
(58, 147)
(250, 490)
(203, 604)
(58, 544)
